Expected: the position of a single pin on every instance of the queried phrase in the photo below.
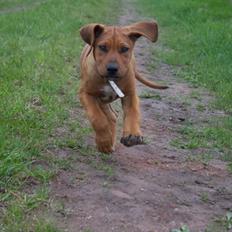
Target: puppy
(108, 72)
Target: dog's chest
(108, 94)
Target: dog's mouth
(108, 77)
(112, 77)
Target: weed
(204, 197)
(43, 226)
(228, 221)
(203, 158)
(177, 143)
(193, 143)
(221, 224)
(200, 107)
(150, 95)
(88, 230)
(183, 228)
(195, 95)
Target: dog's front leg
(131, 128)
(104, 138)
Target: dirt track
(155, 187)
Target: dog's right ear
(90, 32)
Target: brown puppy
(108, 55)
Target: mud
(154, 187)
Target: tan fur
(107, 44)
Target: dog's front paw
(132, 140)
(105, 146)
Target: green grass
(198, 35)
(183, 228)
(12, 4)
(215, 136)
(39, 52)
(150, 96)
(221, 224)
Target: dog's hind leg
(99, 121)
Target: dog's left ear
(90, 32)
(146, 29)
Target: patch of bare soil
(154, 188)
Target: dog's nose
(112, 69)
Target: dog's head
(112, 46)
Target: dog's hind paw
(132, 140)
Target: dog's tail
(149, 83)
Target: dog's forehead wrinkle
(113, 35)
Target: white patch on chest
(108, 94)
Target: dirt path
(154, 187)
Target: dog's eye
(124, 49)
(103, 48)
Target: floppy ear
(90, 32)
(146, 29)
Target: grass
(204, 158)
(148, 95)
(12, 4)
(183, 228)
(214, 136)
(222, 224)
(204, 197)
(197, 35)
(39, 51)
